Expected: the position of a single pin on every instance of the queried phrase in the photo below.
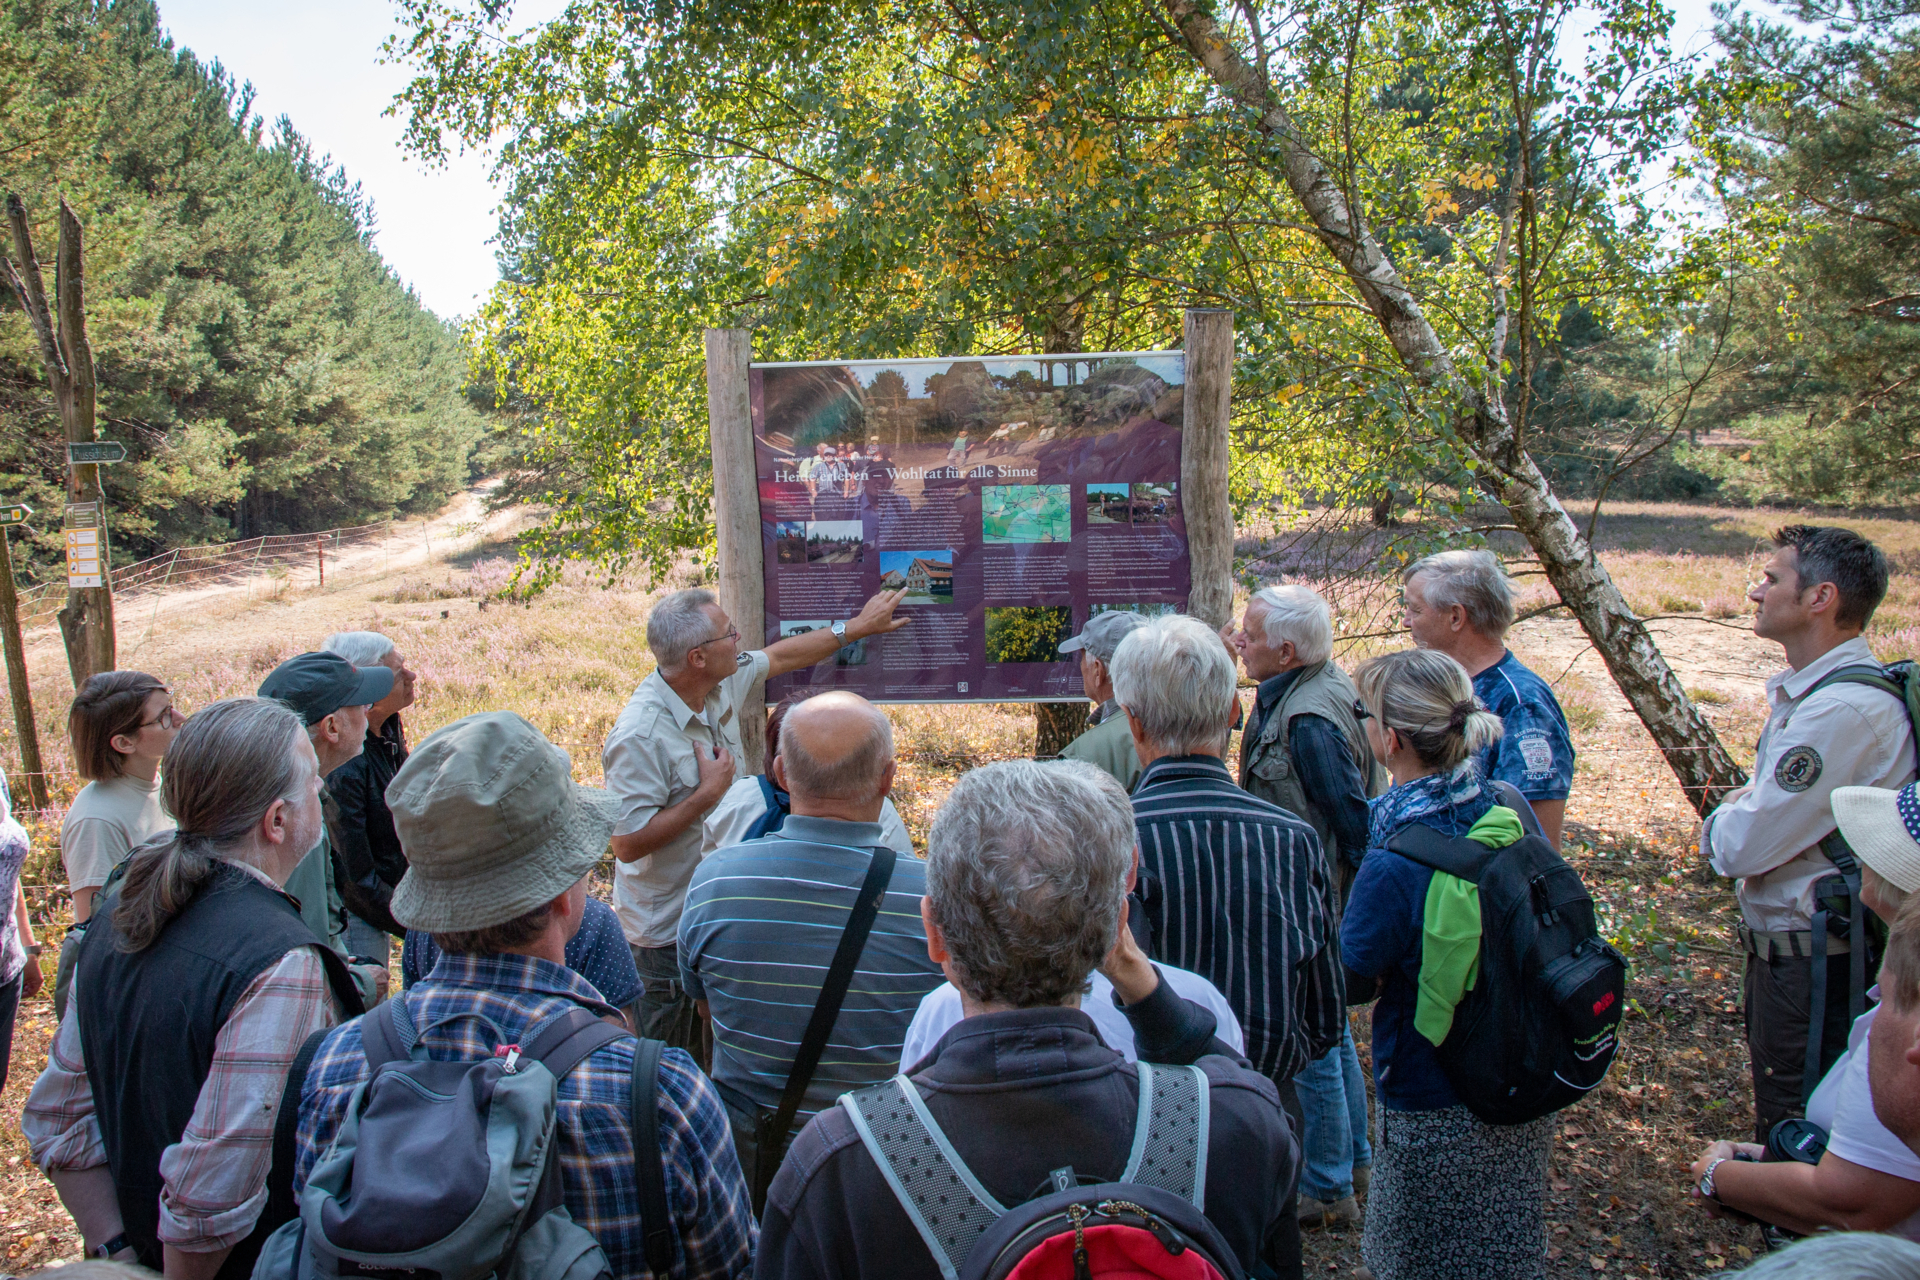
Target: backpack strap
(778, 804)
(281, 1204)
(387, 1034)
(1507, 794)
(1455, 856)
(1170, 1132)
(945, 1202)
(649, 1164)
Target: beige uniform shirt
(649, 764)
(107, 819)
(1768, 833)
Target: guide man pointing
(671, 756)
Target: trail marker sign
(15, 514)
(95, 452)
(86, 546)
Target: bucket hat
(1884, 829)
(492, 823)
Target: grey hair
(1427, 698)
(1300, 615)
(1177, 678)
(678, 625)
(854, 776)
(1027, 869)
(226, 767)
(361, 648)
(1848, 1255)
(1473, 580)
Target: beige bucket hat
(492, 823)
(1884, 829)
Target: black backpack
(1837, 909)
(1539, 1029)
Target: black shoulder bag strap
(649, 1164)
(281, 1206)
(771, 1143)
(1507, 794)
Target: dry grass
(569, 660)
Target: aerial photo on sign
(1009, 498)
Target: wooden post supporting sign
(736, 517)
(1204, 447)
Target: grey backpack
(448, 1170)
(1150, 1221)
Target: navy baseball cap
(316, 685)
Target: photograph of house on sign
(927, 575)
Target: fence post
(320, 558)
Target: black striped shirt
(1237, 890)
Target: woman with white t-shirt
(1866, 1179)
(120, 725)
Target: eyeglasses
(169, 718)
(1360, 711)
(731, 633)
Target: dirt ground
(569, 659)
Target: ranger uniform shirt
(649, 764)
(1768, 833)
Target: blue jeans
(1333, 1103)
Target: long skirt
(1455, 1197)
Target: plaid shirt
(1236, 890)
(215, 1178)
(714, 1231)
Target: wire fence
(296, 559)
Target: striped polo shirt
(757, 937)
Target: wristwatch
(1706, 1179)
(839, 630)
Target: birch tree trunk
(1481, 419)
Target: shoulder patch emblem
(1798, 769)
(1536, 754)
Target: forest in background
(267, 371)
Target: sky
(320, 65)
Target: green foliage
(267, 372)
(940, 178)
(1811, 147)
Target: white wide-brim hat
(1883, 828)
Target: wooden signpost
(1204, 451)
(18, 691)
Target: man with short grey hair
(1304, 749)
(670, 758)
(1108, 744)
(1026, 881)
(1233, 888)
(1461, 603)
(763, 919)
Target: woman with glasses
(120, 725)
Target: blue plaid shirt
(714, 1231)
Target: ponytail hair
(226, 767)
(1427, 698)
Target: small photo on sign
(927, 575)
(1132, 503)
(1026, 513)
(1027, 633)
(800, 627)
(834, 541)
(790, 542)
(1144, 610)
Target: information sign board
(1012, 497)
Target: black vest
(148, 1021)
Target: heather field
(568, 660)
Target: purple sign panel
(1011, 497)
